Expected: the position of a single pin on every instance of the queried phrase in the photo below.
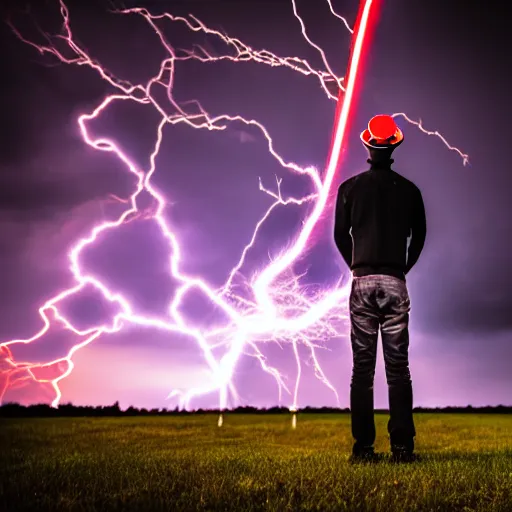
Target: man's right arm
(342, 225)
(419, 230)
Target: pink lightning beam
(367, 14)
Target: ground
(252, 462)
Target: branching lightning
(273, 306)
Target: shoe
(366, 455)
(402, 454)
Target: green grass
(250, 463)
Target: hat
(382, 133)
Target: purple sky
(429, 61)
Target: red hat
(382, 133)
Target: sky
(430, 60)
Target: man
(377, 213)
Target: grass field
(253, 462)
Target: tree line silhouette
(14, 410)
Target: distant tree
(69, 410)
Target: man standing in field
(377, 211)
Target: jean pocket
(404, 301)
(355, 290)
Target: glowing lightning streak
(339, 17)
(419, 124)
(281, 310)
(315, 46)
(262, 284)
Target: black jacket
(376, 212)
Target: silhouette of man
(377, 213)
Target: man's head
(381, 138)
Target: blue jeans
(380, 301)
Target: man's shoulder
(348, 184)
(406, 182)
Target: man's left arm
(418, 231)
(342, 225)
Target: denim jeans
(380, 301)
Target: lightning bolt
(271, 307)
